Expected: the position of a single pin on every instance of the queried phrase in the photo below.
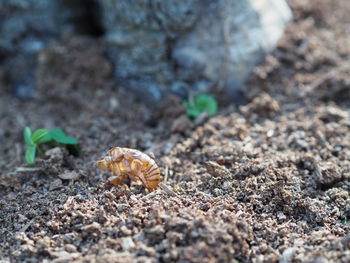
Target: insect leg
(117, 175)
(114, 180)
(136, 169)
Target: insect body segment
(125, 162)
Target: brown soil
(263, 182)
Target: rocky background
(156, 47)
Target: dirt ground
(267, 181)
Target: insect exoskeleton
(124, 162)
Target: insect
(124, 162)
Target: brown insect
(124, 162)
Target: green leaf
(46, 138)
(59, 136)
(27, 132)
(57, 131)
(193, 113)
(201, 103)
(41, 135)
(30, 154)
(205, 102)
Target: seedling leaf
(46, 138)
(201, 103)
(27, 132)
(57, 131)
(205, 102)
(193, 113)
(41, 135)
(59, 136)
(30, 154)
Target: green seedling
(201, 103)
(41, 136)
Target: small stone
(126, 231)
(92, 228)
(54, 152)
(263, 105)
(174, 254)
(127, 243)
(333, 114)
(113, 103)
(217, 170)
(288, 254)
(70, 248)
(144, 250)
(327, 177)
(63, 256)
(69, 175)
(320, 260)
(56, 184)
(194, 234)
(281, 216)
(122, 207)
(54, 225)
(181, 124)
(16, 253)
(270, 133)
(21, 218)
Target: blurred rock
(25, 27)
(162, 47)
(181, 124)
(157, 47)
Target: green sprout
(201, 103)
(40, 136)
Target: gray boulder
(159, 47)
(25, 27)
